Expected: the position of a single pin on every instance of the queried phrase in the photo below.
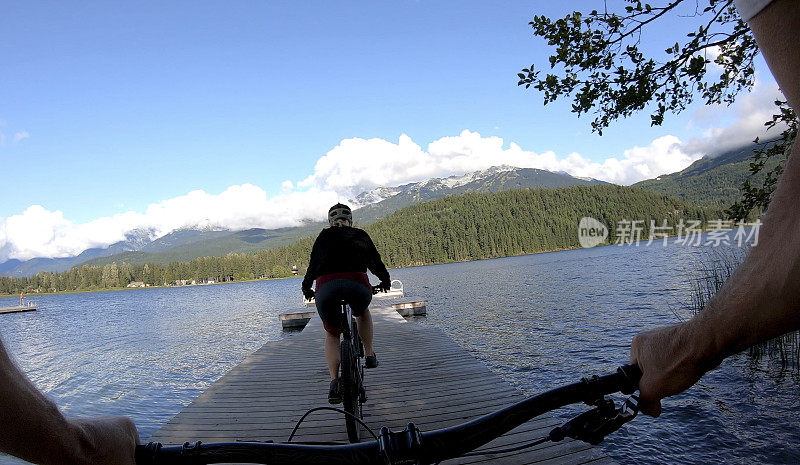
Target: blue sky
(109, 110)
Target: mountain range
(383, 201)
(712, 180)
(188, 243)
(134, 240)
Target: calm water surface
(539, 321)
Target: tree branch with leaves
(598, 62)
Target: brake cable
(590, 427)
(335, 410)
(316, 409)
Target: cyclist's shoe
(335, 393)
(371, 361)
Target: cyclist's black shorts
(328, 296)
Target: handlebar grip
(629, 375)
(147, 454)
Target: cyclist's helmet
(340, 211)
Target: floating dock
(19, 308)
(423, 377)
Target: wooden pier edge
(423, 377)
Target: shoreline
(125, 289)
(562, 249)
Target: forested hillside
(711, 180)
(475, 226)
(464, 227)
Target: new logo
(591, 232)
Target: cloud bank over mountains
(725, 128)
(37, 232)
(356, 165)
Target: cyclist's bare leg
(332, 354)
(364, 323)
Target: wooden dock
(423, 377)
(19, 308)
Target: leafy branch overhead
(600, 62)
(602, 67)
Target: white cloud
(239, 207)
(724, 128)
(356, 165)
(21, 135)
(664, 155)
(36, 228)
(38, 232)
(711, 54)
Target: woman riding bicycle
(339, 261)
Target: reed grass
(716, 270)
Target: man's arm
(762, 298)
(35, 430)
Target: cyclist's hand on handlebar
(671, 362)
(308, 293)
(109, 440)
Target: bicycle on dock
(354, 393)
(412, 446)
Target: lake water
(539, 321)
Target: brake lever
(593, 426)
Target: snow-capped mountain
(374, 196)
(381, 193)
(494, 179)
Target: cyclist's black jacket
(341, 249)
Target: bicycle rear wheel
(351, 390)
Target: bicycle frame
(352, 375)
(347, 317)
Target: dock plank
(423, 377)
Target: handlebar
(414, 447)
